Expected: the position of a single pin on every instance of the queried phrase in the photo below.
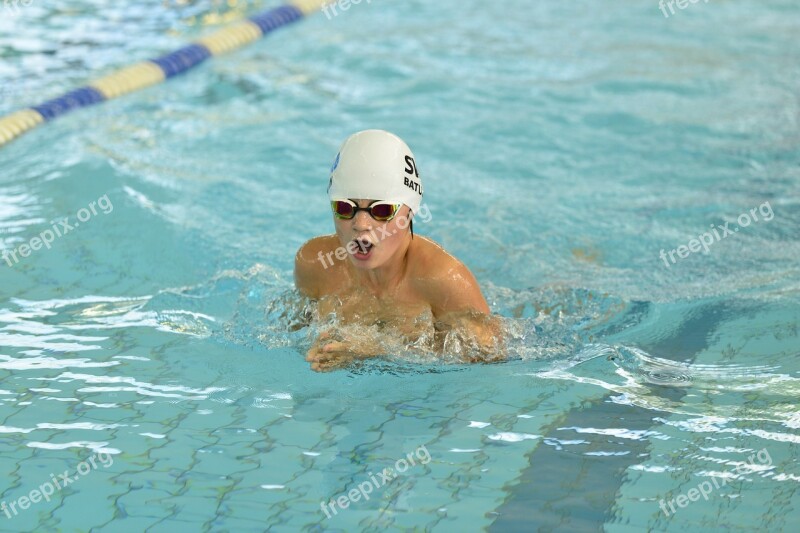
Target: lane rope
(147, 73)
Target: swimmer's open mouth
(363, 246)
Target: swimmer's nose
(362, 221)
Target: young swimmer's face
(371, 243)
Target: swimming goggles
(380, 211)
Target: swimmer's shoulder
(310, 271)
(428, 256)
(444, 280)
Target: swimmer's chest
(366, 309)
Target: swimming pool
(150, 353)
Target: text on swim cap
(411, 169)
(412, 166)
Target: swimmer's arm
(306, 270)
(333, 349)
(459, 306)
(480, 335)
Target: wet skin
(411, 287)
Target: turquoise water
(562, 145)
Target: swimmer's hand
(331, 352)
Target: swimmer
(374, 272)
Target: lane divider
(154, 71)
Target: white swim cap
(376, 165)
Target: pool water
(563, 146)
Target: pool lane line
(154, 71)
